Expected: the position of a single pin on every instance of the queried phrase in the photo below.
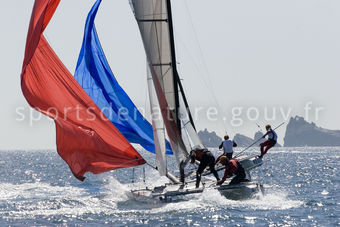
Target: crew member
(205, 158)
(272, 138)
(232, 167)
(227, 146)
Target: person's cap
(223, 159)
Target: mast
(174, 63)
(185, 101)
(176, 78)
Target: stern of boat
(242, 191)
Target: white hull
(244, 190)
(171, 192)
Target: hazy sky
(257, 55)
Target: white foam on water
(42, 199)
(324, 192)
(39, 199)
(270, 201)
(273, 198)
(250, 220)
(153, 179)
(116, 191)
(213, 198)
(35, 190)
(111, 198)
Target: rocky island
(301, 133)
(209, 139)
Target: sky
(255, 61)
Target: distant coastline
(299, 133)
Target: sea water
(38, 189)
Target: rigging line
(204, 64)
(144, 175)
(197, 41)
(163, 75)
(146, 99)
(150, 165)
(221, 118)
(183, 94)
(208, 85)
(133, 175)
(188, 138)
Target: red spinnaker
(86, 139)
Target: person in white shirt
(227, 146)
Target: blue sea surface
(38, 189)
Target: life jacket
(272, 135)
(228, 146)
(232, 167)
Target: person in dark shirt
(232, 167)
(205, 158)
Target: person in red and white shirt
(232, 167)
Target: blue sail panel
(93, 73)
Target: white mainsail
(152, 18)
(155, 25)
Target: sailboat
(105, 144)
(154, 18)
